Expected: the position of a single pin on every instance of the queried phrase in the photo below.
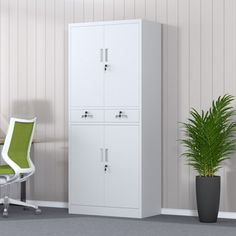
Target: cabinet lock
(87, 115)
(121, 115)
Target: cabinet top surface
(133, 21)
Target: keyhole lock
(106, 67)
(87, 115)
(105, 168)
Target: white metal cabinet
(115, 118)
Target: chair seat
(6, 170)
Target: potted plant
(209, 140)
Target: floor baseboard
(164, 211)
(187, 212)
(49, 204)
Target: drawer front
(122, 116)
(86, 116)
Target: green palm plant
(209, 136)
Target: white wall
(199, 64)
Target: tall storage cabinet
(115, 118)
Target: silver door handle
(101, 55)
(101, 152)
(106, 54)
(106, 154)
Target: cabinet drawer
(86, 116)
(122, 116)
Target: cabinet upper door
(122, 175)
(122, 55)
(86, 171)
(86, 66)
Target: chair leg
(6, 205)
(25, 204)
(20, 203)
(6, 201)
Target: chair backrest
(17, 144)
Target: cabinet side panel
(151, 119)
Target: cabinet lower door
(86, 171)
(122, 175)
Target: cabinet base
(105, 211)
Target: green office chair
(16, 154)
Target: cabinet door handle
(106, 55)
(101, 55)
(106, 154)
(101, 153)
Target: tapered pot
(208, 198)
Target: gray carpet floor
(57, 222)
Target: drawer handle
(87, 115)
(121, 115)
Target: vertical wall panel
(194, 73)
(218, 70)
(88, 10)
(79, 10)
(22, 54)
(108, 8)
(31, 74)
(98, 10)
(13, 55)
(119, 9)
(206, 53)
(60, 161)
(129, 9)
(172, 103)
(4, 58)
(218, 48)
(230, 46)
(162, 15)
(140, 9)
(50, 95)
(183, 48)
(150, 10)
(22, 88)
(40, 157)
(230, 87)
(13, 69)
(68, 19)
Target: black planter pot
(208, 198)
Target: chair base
(6, 201)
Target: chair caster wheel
(38, 211)
(5, 213)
